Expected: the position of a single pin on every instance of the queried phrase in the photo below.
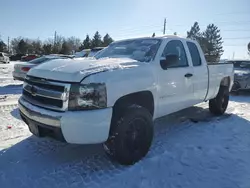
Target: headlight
(87, 97)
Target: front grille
(44, 85)
(46, 94)
(44, 100)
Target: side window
(175, 47)
(194, 52)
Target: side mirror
(169, 61)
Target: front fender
(122, 82)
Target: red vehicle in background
(29, 57)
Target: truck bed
(216, 72)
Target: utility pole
(8, 44)
(164, 26)
(55, 38)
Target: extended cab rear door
(175, 81)
(200, 72)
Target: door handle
(188, 75)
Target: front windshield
(242, 64)
(139, 49)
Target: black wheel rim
(135, 137)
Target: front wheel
(131, 137)
(218, 105)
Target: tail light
(25, 69)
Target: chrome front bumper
(38, 117)
(76, 127)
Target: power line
(242, 45)
(139, 28)
(236, 38)
(228, 13)
(230, 23)
(235, 30)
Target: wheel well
(142, 98)
(225, 82)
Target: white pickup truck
(114, 97)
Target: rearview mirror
(169, 61)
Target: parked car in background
(83, 53)
(16, 57)
(89, 52)
(21, 69)
(29, 57)
(241, 75)
(114, 98)
(94, 51)
(4, 58)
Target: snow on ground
(6, 74)
(191, 149)
(10, 89)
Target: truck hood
(74, 70)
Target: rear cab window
(195, 55)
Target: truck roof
(158, 37)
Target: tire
(218, 105)
(131, 136)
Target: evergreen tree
(36, 46)
(96, 41)
(153, 35)
(57, 46)
(3, 46)
(47, 49)
(66, 48)
(194, 32)
(213, 43)
(22, 47)
(86, 43)
(107, 40)
(175, 33)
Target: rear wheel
(218, 105)
(131, 136)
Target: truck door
(200, 74)
(175, 83)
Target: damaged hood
(74, 70)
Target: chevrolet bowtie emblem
(33, 90)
